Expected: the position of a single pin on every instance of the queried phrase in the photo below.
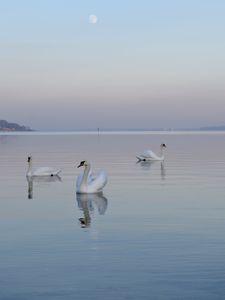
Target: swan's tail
(140, 158)
(57, 172)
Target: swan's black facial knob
(163, 145)
(29, 159)
(81, 163)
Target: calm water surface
(157, 232)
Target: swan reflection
(87, 203)
(31, 180)
(163, 170)
(147, 165)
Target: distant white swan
(87, 182)
(43, 171)
(150, 155)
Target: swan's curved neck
(29, 169)
(162, 152)
(85, 175)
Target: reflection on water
(40, 179)
(163, 170)
(147, 165)
(86, 203)
(159, 239)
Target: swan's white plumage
(42, 171)
(80, 176)
(45, 171)
(150, 155)
(88, 182)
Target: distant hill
(6, 126)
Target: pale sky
(138, 64)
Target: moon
(93, 19)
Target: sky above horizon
(143, 64)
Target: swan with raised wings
(150, 155)
(43, 171)
(87, 182)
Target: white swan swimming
(87, 182)
(150, 155)
(43, 171)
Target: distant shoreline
(112, 132)
(6, 126)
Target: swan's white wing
(97, 182)
(149, 155)
(45, 171)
